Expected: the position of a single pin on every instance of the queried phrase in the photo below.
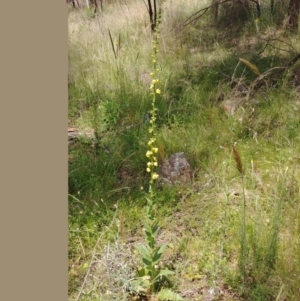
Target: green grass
(202, 111)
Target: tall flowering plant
(151, 154)
(150, 251)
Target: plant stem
(243, 242)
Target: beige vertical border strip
(33, 160)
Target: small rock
(175, 169)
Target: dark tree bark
(96, 8)
(152, 10)
(215, 10)
(293, 15)
(257, 7)
(75, 4)
(272, 6)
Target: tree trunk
(215, 10)
(293, 15)
(72, 2)
(95, 6)
(272, 6)
(152, 10)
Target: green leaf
(156, 258)
(154, 228)
(149, 200)
(140, 285)
(142, 272)
(147, 262)
(144, 251)
(158, 252)
(166, 272)
(147, 227)
(151, 228)
(151, 243)
(168, 295)
(163, 273)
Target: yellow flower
(155, 164)
(155, 149)
(148, 169)
(148, 154)
(154, 176)
(157, 91)
(152, 140)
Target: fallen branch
(194, 17)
